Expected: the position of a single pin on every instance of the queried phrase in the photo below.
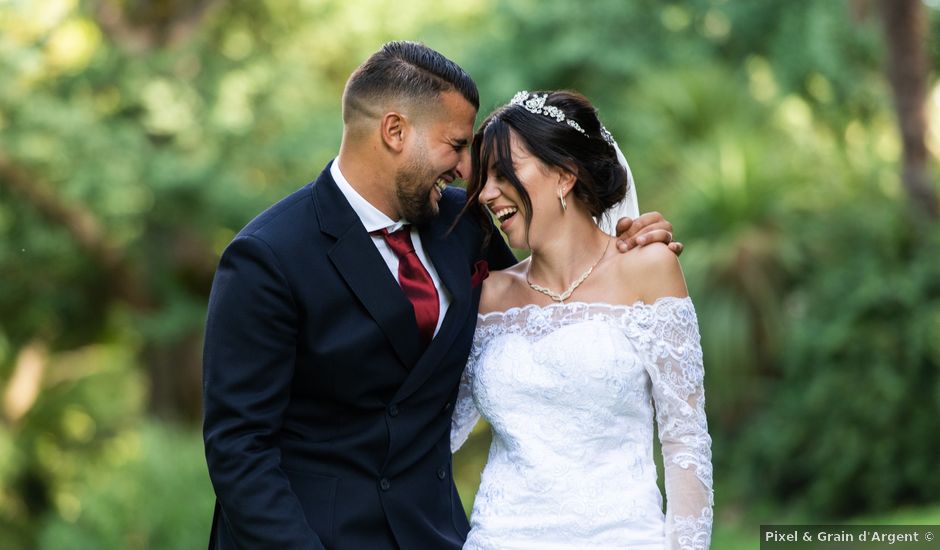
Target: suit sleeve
(248, 363)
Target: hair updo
(601, 180)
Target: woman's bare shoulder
(647, 273)
(501, 286)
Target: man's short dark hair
(406, 70)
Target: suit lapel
(452, 268)
(359, 263)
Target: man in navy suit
(329, 379)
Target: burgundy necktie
(415, 281)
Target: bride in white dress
(577, 349)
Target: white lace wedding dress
(570, 390)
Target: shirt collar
(371, 217)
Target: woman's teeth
(505, 213)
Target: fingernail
(641, 240)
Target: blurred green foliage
(137, 137)
(856, 393)
(157, 495)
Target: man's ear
(394, 127)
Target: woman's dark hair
(601, 180)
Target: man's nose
(463, 165)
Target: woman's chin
(512, 233)
(516, 239)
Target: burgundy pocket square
(481, 270)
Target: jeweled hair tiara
(535, 103)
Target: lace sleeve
(465, 415)
(677, 375)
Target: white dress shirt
(374, 220)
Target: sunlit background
(137, 137)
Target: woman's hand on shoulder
(655, 269)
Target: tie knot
(399, 241)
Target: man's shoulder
(459, 225)
(452, 202)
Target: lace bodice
(570, 390)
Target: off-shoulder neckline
(639, 304)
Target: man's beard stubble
(413, 187)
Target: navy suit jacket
(326, 423)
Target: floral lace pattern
(571, 392)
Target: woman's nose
(489, 192)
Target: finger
(623, 225)
(623, 245)
(647, 219)
(637, 229)
(676, 247)
(654, 226)
(654, 236)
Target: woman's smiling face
(540, 181)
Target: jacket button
(393, 410)
(384, 484)
(441, 473)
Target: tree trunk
(906, 33)
(174, 372)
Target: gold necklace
(567, 293)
